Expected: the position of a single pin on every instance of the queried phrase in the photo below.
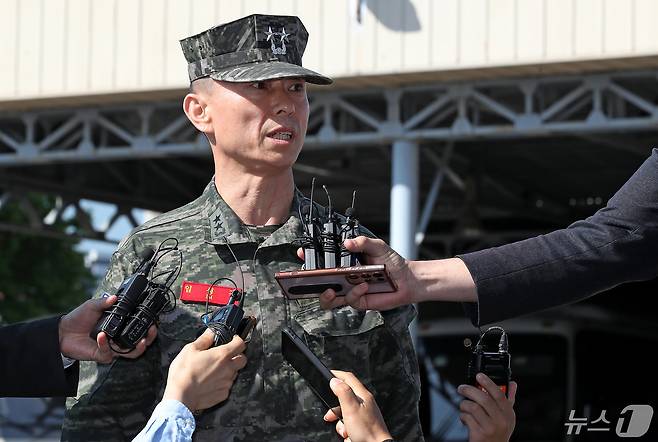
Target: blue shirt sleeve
(170, 421)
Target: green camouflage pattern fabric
(253, 48)
(268, 401)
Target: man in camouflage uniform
(248, 97)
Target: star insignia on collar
(217, 222)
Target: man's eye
(298, 87)
(258, 85)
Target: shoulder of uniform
(162, 223)
(191, 209)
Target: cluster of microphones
(323, 239)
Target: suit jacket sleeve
(31, 362)
(617, 244)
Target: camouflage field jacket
(268, 400)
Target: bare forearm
(442, 280)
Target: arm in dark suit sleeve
(31, 362)
(617, 244)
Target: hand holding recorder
(328, 264)
(202, 375)
(362, 420)
(74, 334)
(487, 411)
(416, 281)
(375, 252)
(341, 392)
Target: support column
(404, 205)
(404, 198)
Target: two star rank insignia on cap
(271, 36)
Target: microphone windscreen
(146, 254)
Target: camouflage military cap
(253, 48)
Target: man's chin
(273, 165)
(281, 158)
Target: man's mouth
(284, 135)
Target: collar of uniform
(292, 228)
(225, 226)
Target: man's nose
(283, 102)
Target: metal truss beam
(433, 194)
(72, 210)
(435, 112)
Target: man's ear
(196, 109)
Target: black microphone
(147, 263)
(130, 294)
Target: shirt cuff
(172, 407)
(178, 412)
(170, 421)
